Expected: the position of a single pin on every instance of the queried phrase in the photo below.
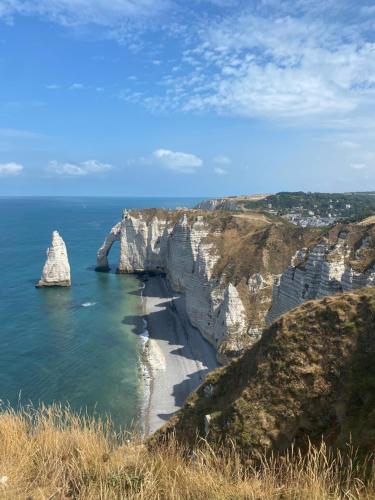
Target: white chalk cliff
(231, 310)
(180, 250)
(56, 271)
(217, 204)
(322, 270)
(102, 255)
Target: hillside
(306, 209)
(52, 454)
(311, 375)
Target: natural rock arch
(103, 252)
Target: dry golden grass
(52, 454)
(368, 221)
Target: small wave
(88, 304)
(146, 375)
(144, 337)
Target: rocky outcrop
(56, 271)
(232, 325)
(341, 262)
(240, 272)
(223, 263)
(231, 203)
(102, 255)
(218, 204)
(171, 244)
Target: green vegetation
(347, 206)
(310, 377)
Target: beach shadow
(146, 278)
(187, 386)
(182, 390)
(136, 322)
(170, 324)
(189, 357)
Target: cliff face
(218, 204)
(56, 271)
(343, 260)
(231, 203)
(102, 255)
(240, 272)
(311, 375)
(224, 263)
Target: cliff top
(148, 214)
(246, 242)
(368, 221)
(312, 374)
(257, 242)
(351, 206)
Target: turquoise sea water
(75, 345)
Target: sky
(186, 97)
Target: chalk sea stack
(56, 271)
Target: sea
(79, 346)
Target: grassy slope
(311, 375)
(51, 454)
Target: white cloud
(220, 171)
(296, 61)
(77, 169)
(222, 160)
(350, 144)
(76, 12)
(10, 169)
(52, 86)
(76, 86)
(358, 166)
(185, 163)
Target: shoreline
(145, 364)
(176, 357)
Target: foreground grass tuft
(51, 453)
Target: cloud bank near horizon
(77, 169)
(10, 169)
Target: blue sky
(186, 98)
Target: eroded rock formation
(218, 204)
(240, 272)
(56, 271)
(225, 264)
(102, 255)
(343, 261)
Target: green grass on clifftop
(310, 377)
